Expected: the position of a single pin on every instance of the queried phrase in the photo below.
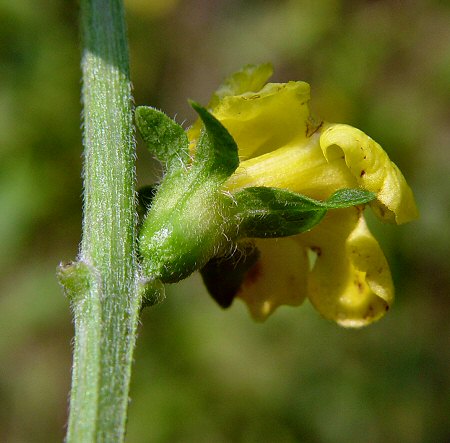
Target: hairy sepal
(190, 216)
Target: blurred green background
(203, 374)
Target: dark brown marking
(311, 128)
(360, 286)
(253, 274)
(317, 250)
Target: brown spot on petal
(253, 274)
(362, 173)
(359, 284)
(291, 280)
(317, 250)
(312, 128)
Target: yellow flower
(338, 265)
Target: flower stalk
(103, 285)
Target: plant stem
(106, 303)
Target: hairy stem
(105, 296)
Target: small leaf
(343, 198)
(217, 152)
(223, 276)
(165, 138)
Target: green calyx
(191, 220)
(189, 217)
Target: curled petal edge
(373, 170)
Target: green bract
(184, 227)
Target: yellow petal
(278, 278)
(267, 120)
(249, 78)
(373, 170)
(299, 167)
(350, 282)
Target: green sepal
(189, 218)
(223, 276)
(185, 226)
(216, 153)
(343, 198)
(165, 138)
(264, 212)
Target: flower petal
(350, 282)
(249, 78)
(269, 119)
(279, 277)
(299, 167)
(373, 170)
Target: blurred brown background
(203, 374)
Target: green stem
(106, 303)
